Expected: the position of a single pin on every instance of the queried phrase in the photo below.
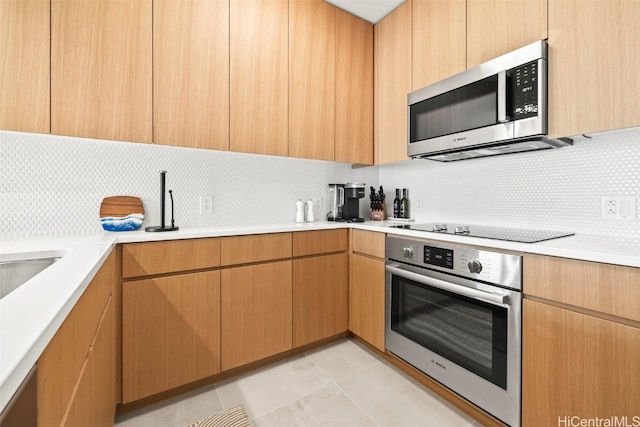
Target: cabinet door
(439, 40)
(575, 365)
(593, 66)
(171, 332)
(392, 83)
(191, 73)
(256, 312)
(311, 79)
(366, 299)
(354, 89)
(319, 298)
(259, 76)
(101, 69)
(24, 69)
(62, 362)
(496, 27)
(95, 396)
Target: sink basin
(14, 272)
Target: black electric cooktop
(521, 235)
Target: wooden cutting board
(120, 207)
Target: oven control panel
(438, 256)
(452, 258)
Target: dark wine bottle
(404, 205)
(396, 204)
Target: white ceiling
(370, 10)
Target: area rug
(233, 417)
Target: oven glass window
(468, 332)
(466, 108)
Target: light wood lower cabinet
(76, 372)
(319, 297)
(94, 400)
(171, 332)
(577, 365)
(367, 287)
(256, 312)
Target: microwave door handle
(502, 97)
(441, 284)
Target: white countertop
(30, 315)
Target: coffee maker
(344, 202)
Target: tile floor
(342, 384)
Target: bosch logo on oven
(438, 364)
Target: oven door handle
(441, 284)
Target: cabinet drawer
(320, 242)
(610, 289)
(145, 259)
(368, 243)
(255, 248)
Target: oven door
(464, 334)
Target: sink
(17, 269)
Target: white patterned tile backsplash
(552, 189)
(53, 186)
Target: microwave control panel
(524, 80)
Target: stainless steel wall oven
(454, 312)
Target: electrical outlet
(418, 202)
(618, 208)
(206, 204)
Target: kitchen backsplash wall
(53, 186)
(552, 189)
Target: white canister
(309, 208)
(299, 211)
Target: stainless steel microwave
(497, 107)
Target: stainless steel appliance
(522, 235)
(336, 202)
(498, 107)
(454, 312)
(344, 202)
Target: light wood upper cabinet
(392, 83)
(439, 40)
(575, 365)
(593, 66)
(496, 27)
(191, 73)
(354, 89)
(101, 69)
(311, 79)
(259, 76)
(24, 69)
